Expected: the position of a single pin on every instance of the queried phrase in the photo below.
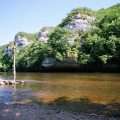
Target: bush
(58, 57)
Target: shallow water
(62, 88)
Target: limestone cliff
(43, 35)
(9, 50)
(51, 63)
(81, 22)
(21, 41)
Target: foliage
(2, 48)
(1, 67)
(112, 28)
(58, 41)
(99, 51)
(36, 54)
(22, 59)
(58, 56)
(104, 58)
(112, 11)
(61, 33)
(47, 28)
(29, 36)
(109, 21)
(74, 12)
(7, 62)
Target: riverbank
(35, 112)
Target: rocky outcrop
(10, 51)
(81, 16)
(81, 22)
(51, 63)
(43, 35)
(21, 41)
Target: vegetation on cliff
(29, 36)
(47, 28)
(74, 12)
(101, 45)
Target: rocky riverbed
(18, 111)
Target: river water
(73, 90)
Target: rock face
(21, 41)
(80, 23)
(10, 51)
(51, 63)
(43, 35)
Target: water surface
(76, 90)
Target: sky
(32, 15)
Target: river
(73, 91)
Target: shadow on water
(83, 105)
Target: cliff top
(29, 36)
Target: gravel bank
(35, 112)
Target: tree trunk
(14, 68)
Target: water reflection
(75, 91)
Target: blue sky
(31, 15)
